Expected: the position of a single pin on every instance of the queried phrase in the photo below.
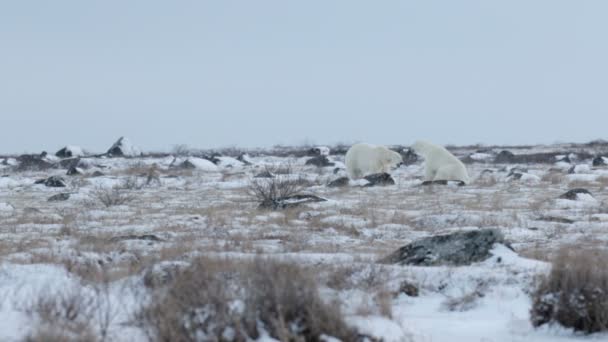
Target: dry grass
(230, 300)
(575, 293)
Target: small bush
(575, 293)
(268, 192)
(241, 301)
(112, 196)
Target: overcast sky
(260, 73)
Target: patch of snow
(203, 164)
(481, 156)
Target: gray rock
(380, 179)
(443, 182)
(59, 197)
(264, 174)
(338, 183)
(320, 161)
(53, 182)
(460, 248)
(290, 202)
(573, 194)
(144, 237)
(97, 174)
(32, 162)
(599, 161)
(505, 157)
(409, 157)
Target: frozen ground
(48, 247)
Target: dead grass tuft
(575, 293)
(240, 301)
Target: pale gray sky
(259, 73)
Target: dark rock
(337, 170)
(290, 202)
(119, 149)
(599, 161)
(555, 219)
(33, 163)
(338, 183)
(460, 248)
(244, 158)
(4, 161)
(517, 170)
(515, 175)
(65, 152)
(97, 174)
(485, 171)
(318, 151)
(408, 288)
(264, 174)
(144, 237)
(214, 157)
(573, 194)
(59, 197)
(505, 157)
(409, 156)
(320, 161)
(73, 171)
(53, 182)
(380, 179)
(443, 182)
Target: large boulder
(123, 148)
(319, 151)
(457, 249)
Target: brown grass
(575, 293)
(224, 298)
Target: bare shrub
(181, 150)
(575, 293)
(112, 196)
(63, 316)
(268, 192)
(239, 301)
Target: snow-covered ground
(174, 214)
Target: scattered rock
(409, 157)
(443, 182)
(555, 219)
(290, 202)
(53, 182)
(144, 237)
(74, 171)
(123, 148)
(244, 158)
(505, 157)
(574, 194)
(59, 197)
(199, 164)
(264, 174)
(580, 168)
(379, 179)
(459, 248)
(97, 174)
(320, 161)
(33, 163)
(408, 289)
(69, 152)
(338, 183)
(517, 170)
(599, 161)
(319, 151)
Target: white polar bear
(440, 164)
(365, 159)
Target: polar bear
(365, 159)
(440, 164)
